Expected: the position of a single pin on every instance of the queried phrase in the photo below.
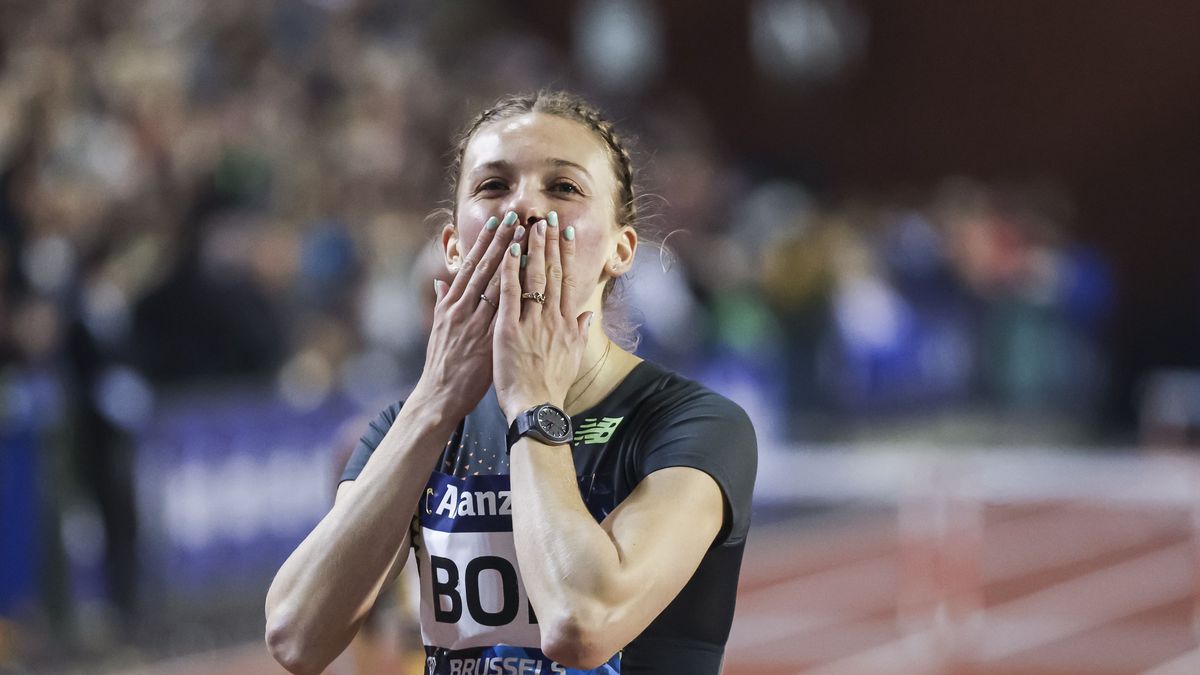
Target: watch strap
(525, 424)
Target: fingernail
(435, 287)
(509, 218)
(569, 233)
(514, 250)
(519, 233)
(589, 321)
(492, 223)
(553, 218)
(541, 227)
(524, 261)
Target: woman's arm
(596, 586)
(323, 591)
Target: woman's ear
(621, 259)
(451, 246)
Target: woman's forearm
(324, 589)
(596, 586)
(569, 563)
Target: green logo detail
(596, 430)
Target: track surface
(1042, 589)
(1050, 588)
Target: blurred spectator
(205, 195)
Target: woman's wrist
(438, 406)
(515, 405)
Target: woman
(571, 506)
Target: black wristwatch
(546, 423)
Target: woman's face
(534, 164)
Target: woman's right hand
(458, 359)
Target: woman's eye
(564, 186)
(491, 185)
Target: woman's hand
(538, 346)
(458, 359)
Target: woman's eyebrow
(496, 165)
(505, 166)
(568, 163)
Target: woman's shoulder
(387, 416)
(670, 395)
(378, 426)
(392, 411)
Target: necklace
(598, 368)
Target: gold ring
(536, 296)
(488, 301)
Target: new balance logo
(596, 430)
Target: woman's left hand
(538, 346)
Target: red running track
(1053, 588)
(1045, 589)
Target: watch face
(553, 423)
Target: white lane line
(849, 592)
(1187, 663)
(1019, 548)
(752, 630)
(795, 606)
(1040, 618)
(866, 576)
(843, 586)
(814, 649)
(916, 654)
(1123, 648)
(1088, 601)
(783, 552)
(869, 585)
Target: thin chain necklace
(598, 368)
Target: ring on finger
(488, 300)
(536, 296)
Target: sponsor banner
(484, 503)
(228, 484)
(474, 504)
(19, 517)
(504, 660)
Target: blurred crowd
(199, 195)
(195, 192)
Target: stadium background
(944, 253)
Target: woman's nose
(529, 205)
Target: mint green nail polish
(542, 227)
(524, 261)
(509, 218)
(514, 250)
(492, 223)
(553, 218)
(519, 233)
(569, 233)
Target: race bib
(476, 618)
